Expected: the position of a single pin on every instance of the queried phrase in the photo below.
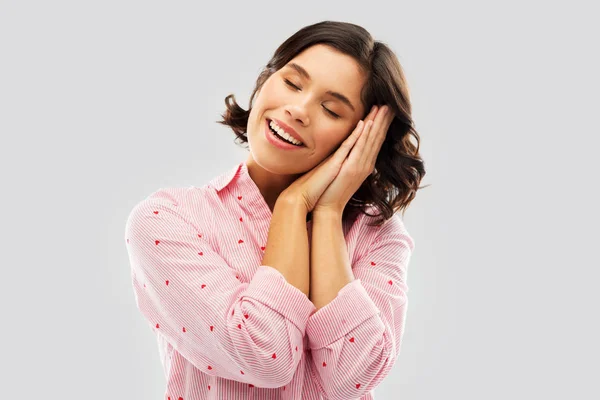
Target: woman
(272, 281)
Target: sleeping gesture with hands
(330, 185)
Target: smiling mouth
(281, 138)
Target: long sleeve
(248, 332)
(356, 338)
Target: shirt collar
(223, 180)
(244, 187)
(239, 183)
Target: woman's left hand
(359, 164)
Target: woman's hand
(309, 187)
(359, 164)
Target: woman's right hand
(309, 187)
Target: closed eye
(297, 88)
(291, 84)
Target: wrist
(327, 212)
(291, 202)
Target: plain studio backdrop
(102, 103)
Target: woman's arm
(287, 243)
(193, 297)
(329, 267)
(356, 334)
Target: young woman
(272, 281)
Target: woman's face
(307, 109)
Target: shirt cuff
(350, 308)
(270, 287)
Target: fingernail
(384, 110)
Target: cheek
(262, 102)
(329, 141)
(270, 92)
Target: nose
(298, 113)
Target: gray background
(101, 103)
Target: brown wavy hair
(399, 168)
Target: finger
(358, 149)
(351, 140)
(372, 117)
(357, 130)
(375, 138)
(338, 156)
(385, 126)
(349, 144)
(372, 113)
(362, 153)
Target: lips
(273, 138)
(289, 130)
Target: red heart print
(352, 339)
(262, 247)
(239, 197)
(199, 235)
(274, 355)
(251, 385)
(184, 328)
(157, 326)
(324, 364)
(209, 367)
(203, 286)
(240, 326)
(296, 348)
(240, 218)
(240, 241)
(390, 281)
(211, 328)
(246, 316)
(242, 372)
(155, 212)
(372, 263)
(357, 385)
(208, 387)
(157, 242)
(201, 253)
(167, 282)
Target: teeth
(284, 134)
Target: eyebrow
(337, 95)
